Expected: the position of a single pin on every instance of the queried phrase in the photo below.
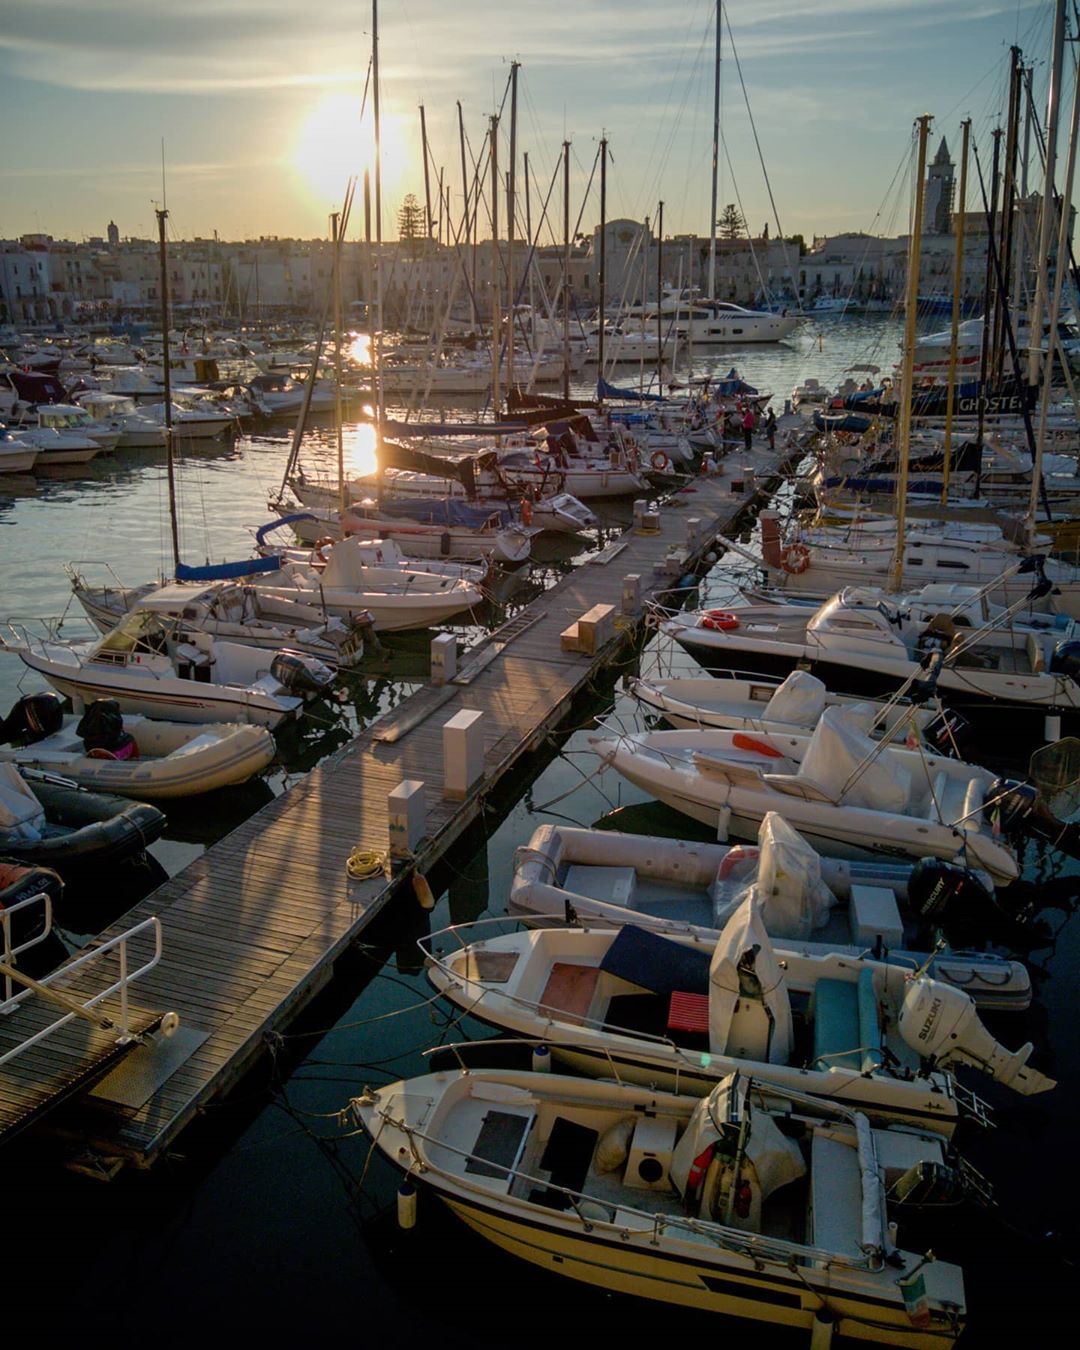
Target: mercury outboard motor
(949, 733)
(942, 893)
(34, 717)
(1022, 810)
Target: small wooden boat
(56, 824)
(752, 1202)
(604, 879)
(150, 760)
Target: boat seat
(847, 1030)
(798, 785)
(569, 990)
(835, 1195)
(947, 798)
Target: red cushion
(688, 1012)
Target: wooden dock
(252, 928)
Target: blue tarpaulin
(227, 571)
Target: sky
(254, 106)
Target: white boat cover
(836, 760)
(744, 968)
(783, 873)
(800, 700)
(775, 1158)
(21, 814)
(873, 1219)
(792, 898)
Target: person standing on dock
(748, 428)
(770, 428)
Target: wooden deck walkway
(253, 926)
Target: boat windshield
(140, 631)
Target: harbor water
(276, 1221)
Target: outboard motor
(1065, 660)
(300, 674)
(941, 1024)
(1022, 810)
(34, 717)
(942, 893)
(949, 734)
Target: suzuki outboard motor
(34, 717)
(942, 1025)
(949, 734)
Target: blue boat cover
(605, 390)
(656, 963)
(271, 525)
(227, 571)
(440, 511)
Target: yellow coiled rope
(365, 863)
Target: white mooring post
(693, 531)
(463, 753)
(443, 658)
(406, 817)
(640, 507)
(631, 595)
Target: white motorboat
(153, 760)
(135, 430)
(16, 456)
(864, 641)
(845, 793)
(392, 598)
(155, 667)
(751, 1202)
(604, 879)
(59, 448)
(442, 528)
(232, 610)
(69, 417)
(726, 702)
(678, 1013)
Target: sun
(335, 143)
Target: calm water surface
(274, 1223)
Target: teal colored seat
(836, 1025)
(847, 1029)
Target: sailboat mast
(904, 430)
(566, 271)
(335, 222)
(170, 472)
(379, 409)
(715, 154)
(958, 266)
(511, 207)
(603, 255)
(427, 172)
(496, 324)
(660, 299)
(1060, 270)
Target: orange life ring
(795, 559)
(659, 460)
(719, 620)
